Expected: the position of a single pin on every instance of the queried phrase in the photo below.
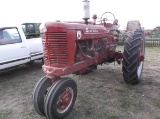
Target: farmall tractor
(79, 47)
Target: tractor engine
(76, 47)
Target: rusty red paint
(118, 55)
(64, 100)
(71, 47)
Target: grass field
(102, 94)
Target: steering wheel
(111, 19)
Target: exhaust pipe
(86, 11)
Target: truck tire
(133, 56)
(42, 61)
(31, 62)
(60, 98)
(38, 94)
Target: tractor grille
(55, 49)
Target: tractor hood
(83, 30)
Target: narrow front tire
(61, 98)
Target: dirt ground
(102, 94)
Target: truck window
(28, 28)
(9, 36)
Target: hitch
(118, 57)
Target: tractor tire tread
(130, 55)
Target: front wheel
(60, 98)
(133, 57)
(38, 94)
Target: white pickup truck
(15, 49)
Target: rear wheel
(133, 57)
(60, 98)
(38, 94)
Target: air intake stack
(86, 10)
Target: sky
(20, 11)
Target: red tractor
(78, 47)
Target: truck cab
(132, 25)
(15, 49)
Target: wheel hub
(140, 58)
(64, 100)
(140, 63)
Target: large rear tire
(60, 98)
(133, 57)
(38, 94)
